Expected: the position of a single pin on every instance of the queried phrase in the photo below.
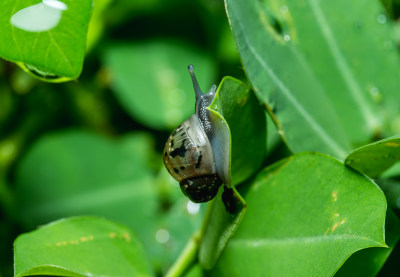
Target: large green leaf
(80, 246)
(239, 108)
(375, 158)
(305, 216)
(152, 83)
(46, 38)
(78, 173)
(305, 62)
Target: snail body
(188, 152)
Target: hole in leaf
(272, 20)
(277, 26)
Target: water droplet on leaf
(162, 236)
(55, 4)
(284, 9)
(39, 17)
(41, 73)
(375, 94)
(381, 19)
(286, 37)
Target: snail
(197, 153)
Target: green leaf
(152, 83)
(305, 216)
(74, 173)
(80, 246)
(219, 225)
(239, 107)
(45, 38)
(375, 158)
(305, 62)
(369, 262)
(79, 172)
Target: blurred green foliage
(110, 120)
(93, 146)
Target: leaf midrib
(267, 242)
(344, 69)
(285, 90)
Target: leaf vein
(265, 242)
(65, 59)
(289, 95)
(344, 69)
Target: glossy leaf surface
(374, 158)
(80, 246)
(305, 216)
(46, 38)
(305, 62)
(368, 262)
(236, 104)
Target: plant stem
(187, 257)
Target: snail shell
(189, 155)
